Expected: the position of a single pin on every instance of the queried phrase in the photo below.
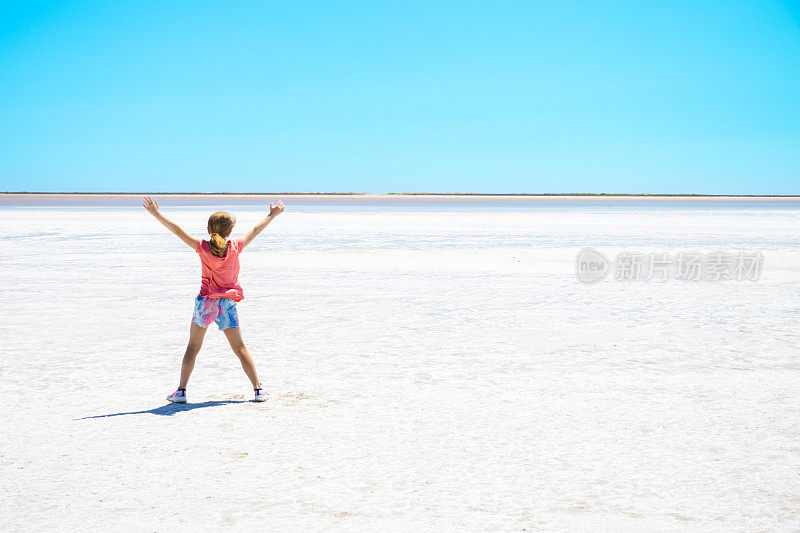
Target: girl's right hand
(151, 205)
(275, 210)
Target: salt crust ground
(429, 370)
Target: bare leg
(234, 336)
(196, 335)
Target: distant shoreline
(128, 198)
(513, 194)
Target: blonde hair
(220, 224)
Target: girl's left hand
(151, 205)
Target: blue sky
(529, 97)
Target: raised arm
(152, 207)
(274, 210)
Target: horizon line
(323, 193)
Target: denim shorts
(219, 310)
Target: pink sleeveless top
(221, 274)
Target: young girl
(219, 291)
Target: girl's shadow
(171, 408)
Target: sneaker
(261, 395)
(179, 396)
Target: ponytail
(217, 245)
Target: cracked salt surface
(429, 368)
